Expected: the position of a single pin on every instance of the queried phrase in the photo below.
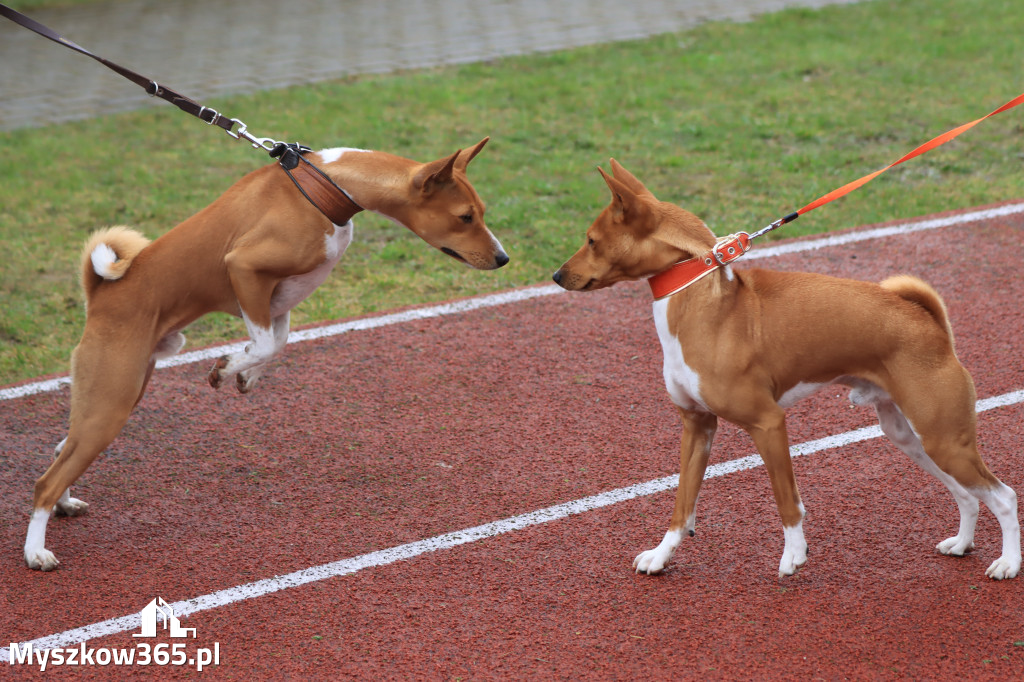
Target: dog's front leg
(246, 379)
(247, 269)
(769, 435)
(698, 433)
(246, 366)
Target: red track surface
(378, 438)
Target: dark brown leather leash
(315, 185)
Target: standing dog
(743, 345)
(256, 252)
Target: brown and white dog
(256, 252)
(745, 344)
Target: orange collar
(685, 273)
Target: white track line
(533, 292)
(384, 557)
(891, 231)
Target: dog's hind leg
(898, 430)
(103, 394)
(86, 439)
(944, 444)
(67, 505)
(698, 433)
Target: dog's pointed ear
(624, 200)
(628, 179)
(468, 155)
(432, 175)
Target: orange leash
(926, 147)
(849, 187)
(728, 249)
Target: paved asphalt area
(205, 49)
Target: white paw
(792, 560)
(652, 561)
(41, 560)
(794, 555)
(955, 546)
(1003, 569)
(71, 506)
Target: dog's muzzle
(566, 280)
(500, 259)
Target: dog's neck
(683, 232)
(376, 181)
(687, 237)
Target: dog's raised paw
(214, 377)
(243, 384)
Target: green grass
(740, 123)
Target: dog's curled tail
(108, 254)
(920, 292)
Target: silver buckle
(265, 143)
(734, 250)
(203, 110)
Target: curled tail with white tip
(108, 254)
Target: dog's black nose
(501, 259)
(557, 276)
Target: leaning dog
(256, 252)
(745, 344)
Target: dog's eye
(590, 242)
(468, 218)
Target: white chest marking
(294, 290)
(682, 382)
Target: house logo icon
(159, 607)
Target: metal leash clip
(777, 224)
(265, 143)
